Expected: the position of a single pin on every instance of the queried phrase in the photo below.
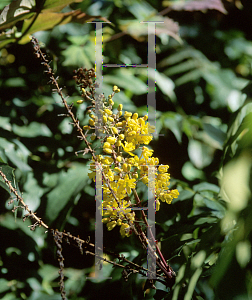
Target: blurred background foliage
(204, 117)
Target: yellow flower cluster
(123, 169)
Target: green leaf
(5, 123)
(76, 280)
(215, 133)
(48, 273)
(182, 67)
(9, 173)
(173, 121)
(190, 172)
(141, 10)
(199, 154)
(58, 5)
(9, 221)
(206, 186)
(4, 285)
(32, 193)
(126, 80)
(165, 84)
(4, 3)
(138, 29)
(79, 56)
(69, 185)
(17, 156)
(32, 130)
(190, 76)
(16, 11)
(15, 82)
(179, 56)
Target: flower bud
(105, 220)
(124, 166)
(145, 179)
(119, 124)
(135, 176)
(106, 145)
(91, 122)
(120, 107)
(116, 89)
(127, 114)
(111, 225)
(107, 150)
(111, 140)
(135, 116)
(114, 130)
(119, 158)
(108, 111)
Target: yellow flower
(122, 172)
(119, 158)
(118, 170)
(108, 111)
(128, 147)
(115, 130)
(107, 160)
(146, 152)
(116, 89)
(145, 180)
(125, 230)
(135, 116)
(111, 140)
(91, 122)
(127, 114)
(111, 225)
(92, 175)
(107, 147)
(127, 184)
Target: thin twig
(20, 199)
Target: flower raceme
(121, 134)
